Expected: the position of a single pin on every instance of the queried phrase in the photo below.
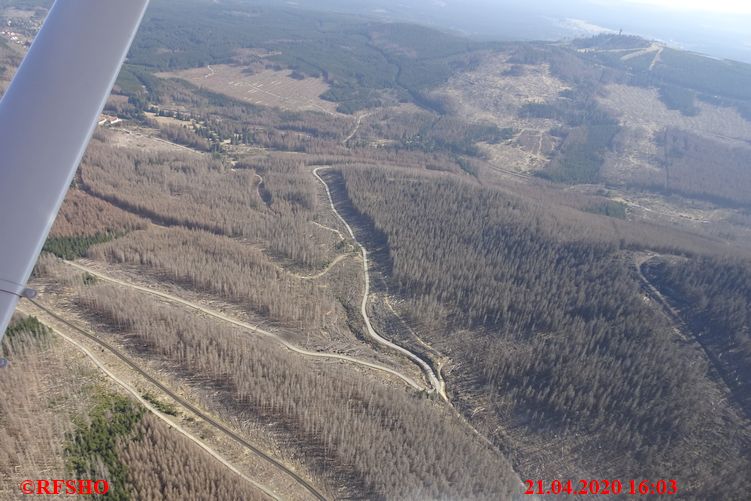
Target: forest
(89, 430)
(679, 98)
(163, 187)
(356, 433)
(704, 168)
(351, 54)
(551, 290)
(521, 289)
(714, 295)
(549, 326)
(586, 128)
(221, 266)
(69, 239)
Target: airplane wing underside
(47, 117)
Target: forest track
(358, 122)
(655, 60)
(436, 382)
(679, 326)
(333, 230)
(248, 327)
(688, 335)
(338, 259)
(258, 186)
(182, 402)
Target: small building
(108, 121)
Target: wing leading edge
(47, 117)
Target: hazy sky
(717, 27)
(724, 6)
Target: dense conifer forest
(714, 295)
(550, 327)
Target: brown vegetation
(244, 124)
(41, 390)
(185, 136)
(163, 465)
(641, 107)
(84, 215)
(202, 193)
(352, 431)
(49, 392)
(224, 267)
(551, 349)
(10, 58)
(705, 168)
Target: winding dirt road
(246, 326)
(258, 186)
(436, 382)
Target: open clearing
(642, 115)
(264, 88)
(495, 92)
(640, 107)
(142, 138)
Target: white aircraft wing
(47, 117)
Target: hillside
(325, 256)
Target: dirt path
(333, 230)
(635, 53)
(172, 424)
(358, 122)
(436, 383)
(338, 259)
(656, 59)
(249, 327)
(258, 186)
(539, 145)
(679, 327)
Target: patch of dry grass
(264, 88)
